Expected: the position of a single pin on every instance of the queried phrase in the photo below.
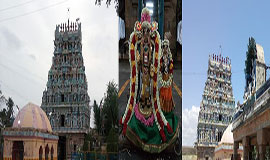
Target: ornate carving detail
(66, 90)
(217, 105)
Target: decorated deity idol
(166, 78)
(145, 66)
(144, 122)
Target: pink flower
(141, 118)
(146, 17)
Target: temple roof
(32, 116)
(227, 136)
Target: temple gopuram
(217, 106)
(65, 99)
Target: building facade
(224, 149)
(252, 120)
(30, 136)
(217, 106)
(65, 99)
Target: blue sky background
(207, 25)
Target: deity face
(145, 32)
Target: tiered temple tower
(65, 99)
(217, 106)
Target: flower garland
(139, 116)
(168, 82)
(164, 83)
(158, 114)
(133, 82)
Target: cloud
(32, 56)
(9, 39)
(26, 47)
(190, 121)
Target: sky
(26, 45)
(207, 25)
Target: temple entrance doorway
(17, 150)
(62, 148)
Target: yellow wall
(31, 147)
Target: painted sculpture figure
(145, 67)
(166, 77)
(146, 122)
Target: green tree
(6, 114)
(2, 97)
(110, 107)
(251, 55)
(112, 141)
(119, 6)
(3, 117)
(97, 116)
(10, 112)
(87, 140)
(108, 2)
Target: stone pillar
(235, 149)
(257, 151)
(139, 9)
(261, 141)
(161, 19)
(246, 148)
(262, 152)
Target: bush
(112, 141)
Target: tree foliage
(112, 141)
(119, 6)
(106, 115)
(110, 107)
(6, 114)
(251, 55)
(2, 97)
(88, 141)
(97, 115)
(108, 2)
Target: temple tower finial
(68, 13)
(220, 50)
